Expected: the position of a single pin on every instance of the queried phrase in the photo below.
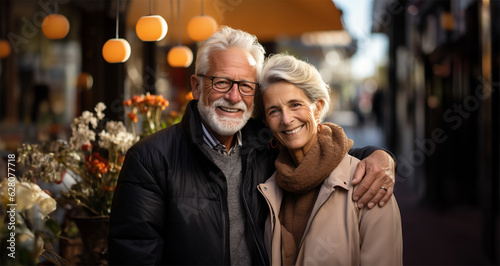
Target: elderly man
(188, 194)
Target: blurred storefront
(442, 107)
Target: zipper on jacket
(225, 226)
(224, 240)
(225, 216)
(249, 216)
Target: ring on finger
(383, 188)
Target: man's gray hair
(281, 67)
(224, 39)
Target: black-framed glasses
(220, 84)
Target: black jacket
(170, 205)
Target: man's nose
(233, 95)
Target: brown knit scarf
(302, 184)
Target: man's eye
(221, 83)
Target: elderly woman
(313, 219)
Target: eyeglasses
(219, 84)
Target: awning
(267, 19)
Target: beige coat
(338, 233)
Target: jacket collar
(191, 121)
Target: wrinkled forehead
(233, 61)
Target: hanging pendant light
(84, 81)
(151, 28)
(180, 55)
(116, 50)
(5, 48)
(55, 26)
(201, 27)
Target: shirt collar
(212, 142)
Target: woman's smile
(290, 132)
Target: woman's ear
(319, 108)
(195, 86)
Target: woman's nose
(286, 117)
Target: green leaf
(53, 226)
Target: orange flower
(127, 102)
(160, 101)
(132, 116)
(96, 164)
(137, 99)
(163, 104)
(149, 99)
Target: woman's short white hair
(282, 67)
(224, 39)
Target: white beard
(223, 125)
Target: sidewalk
(433, 237)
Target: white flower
(98, 109)
(116, 137)
(94, 122)
(28, 195)
(85, 117)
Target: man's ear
(195, 87)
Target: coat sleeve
(364, 152)
(137, 215)
(381, 235)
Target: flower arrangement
(24, 224)
(86, 166)
(151, 107)
(92, 158)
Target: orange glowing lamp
(180, 56)
(55, 26)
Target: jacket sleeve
(381, 235)
(364, 152)
(137, 215)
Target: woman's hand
(375, 175)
